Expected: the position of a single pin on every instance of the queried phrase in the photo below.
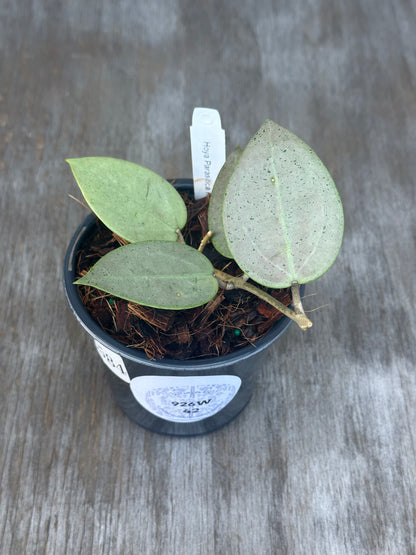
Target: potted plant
(274, 212)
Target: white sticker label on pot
(183, 398)
(207, 148)
(113, 361)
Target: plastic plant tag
(113, 361)
(208, 149)
(184, 398)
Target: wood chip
(161, 319)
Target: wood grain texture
(322, 461)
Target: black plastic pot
(181, 398)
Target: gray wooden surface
(322, 461)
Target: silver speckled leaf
(216, 202)
(282, 214)
(134, 202)
(161, 274)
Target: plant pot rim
(95, 330)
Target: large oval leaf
(282, 214)
(216, 202)
(161, 274)
(134, 202)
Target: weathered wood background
(322, 461)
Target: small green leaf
(161, 274)
(282, 215)
(134, 202)
(216, 203)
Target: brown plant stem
(298, 315)
(204, 241)
(297, 302)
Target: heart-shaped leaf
(161, 274)
(216, 202)
(282, 214)
(134, 202)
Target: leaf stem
(297, 301)
(298, 315)
(180, 236)
(204, 241)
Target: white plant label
(113, 361)
(208, 149)
(183, 398)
